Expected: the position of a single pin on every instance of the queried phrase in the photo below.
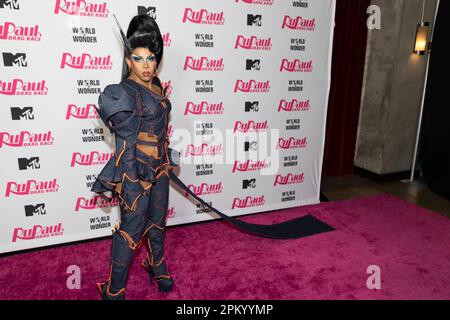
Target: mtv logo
(250, 183)
(32, 163)
(22, 113)
(254, 20)
(150, 11)
(251, 106)
(18, 59)
(253, 64)
(11, 4)
(202, 208)
(250, 145)
(37, 210)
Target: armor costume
(141, 154)
(137, 174)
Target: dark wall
(434, 145)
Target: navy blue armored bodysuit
(139, 119)
(138, 174)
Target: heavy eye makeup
(137, 58)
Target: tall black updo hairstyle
(143, 32)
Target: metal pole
(413, 169)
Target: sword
(292, 229)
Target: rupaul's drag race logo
(31, 187)
(86, 61)
(292, 143)
(94, 203)
(250, 126)
(26, 139)
(38, 232)
(205, 189)
(167, 86)
(167, 40)
(204, 150)
(82, 8)
(203, 64)
(253, 43)
(294, 105)
(91, 159)
(296, 65)
(248, 201)
(289, 179)
(80, 112)
(250, 165)
(203, 16)
(18, 87)
(298, 23)
(252, 86)
(260, 2)
(11, 31)
(203, 108)
(170, 213)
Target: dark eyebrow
(143, 57)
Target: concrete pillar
(392, 89)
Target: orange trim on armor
(159, 263)
(119, 191)
(143, 135)
(119, 184)
(116, 226)
(150, 151)
(157, 168)
(141, 160)
(148, 229)
(121, 153)
(133, 205)
(125, 175)
(145, 184)
(108, 291)
(153, 225)
(150, 252)
(119, 187)
(160, 174)
(152, 263)
(130, 241)
(161, 277)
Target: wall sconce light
(421, 43)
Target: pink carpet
(210, 260)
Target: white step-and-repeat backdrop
(248, 81)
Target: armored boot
(104, 289)
(157, 271)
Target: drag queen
(137, 110)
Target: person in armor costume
(137, 110)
